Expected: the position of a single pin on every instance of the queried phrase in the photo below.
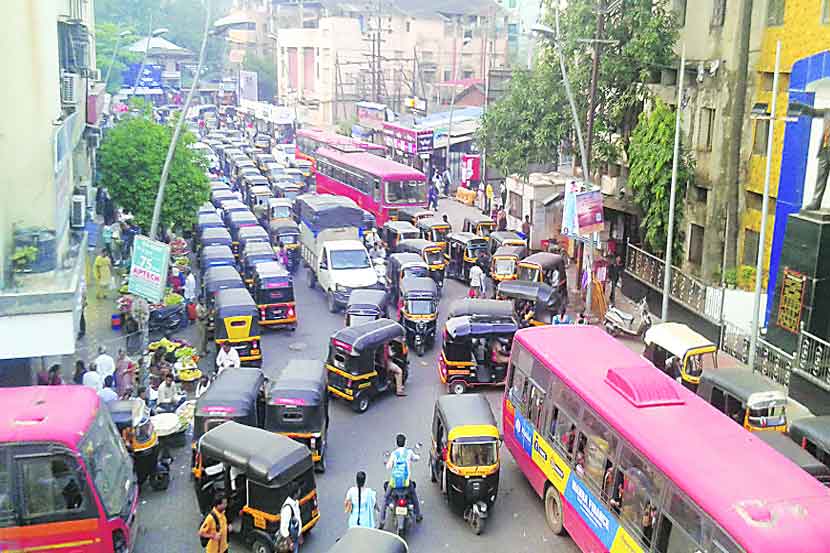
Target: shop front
(410, 146)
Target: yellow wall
(801, 35)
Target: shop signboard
(470, 168)
(406, 140)
(371, 115)
(148, 271)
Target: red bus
(309, 140)
(628, 460)
(66, 482)
(377, 184)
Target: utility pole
(592, 95)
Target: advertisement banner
(470, 168)
(550, 462)
(570, 226)
(410, 141)
(592, 511)
(589, 212)
(371, 115)
(523, 431)
(148, 272)
(248, 85)
(150, 76)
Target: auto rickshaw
(259, 195)
(235, 395)
(213, 236)
(364, 540)
(263, 159)
(801, 457)
(366, 305)
(232, 206)
(750, 399)
(222, 195)
(221, 277)
(418, 311)
(400, 266)
(252, 234)
(501, 238)
(434, 229)
(813, 435)
(279, 211)
(395, 231)
(287, 232)
(256, 470)
(239, 220)
(544, 267)
(132, 420)
(287, 189)
(413, 214)
(213, 256)
(534, 303)
(480, 225)
(504, 263)
(208, 220)
(464, 457)
(463, 250)
(273, 292)
(254, 254)
(432, 255)
(680, 352)
(358, 359)
(297, 406)
(478, 336)
(237, 322)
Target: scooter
(167, 320)
(618, 322)
(400, 503)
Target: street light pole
(122, 34)
(664, 312)
(762, 239)
(464, 42)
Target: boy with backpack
(214, 529)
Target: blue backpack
(400, 469)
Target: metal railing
(771, 361)
(685, 289)
(813, 359)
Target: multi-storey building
(48, 136)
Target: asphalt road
(169, 520)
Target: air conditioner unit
(69, 89)
(77, 214)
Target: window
(681, 528)
(599, 445)
(680, 11)
(108, 463)
(695, 244)
(7, 502)
(751, 247)
(536, 402)
(515, 203)
(408, 26)
(775, 12)
(638, 488)
(759, 144)
(53, 489)
(707, 128)
(519, 384)
(447, 74)
(718, 13)
(468, 74)
(565, 436)
(701, 194)
(825, 12)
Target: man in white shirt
(168, 393)
(227, 357)
(190, 288)
(291, 522)
(104, 363)
(92, 379)
(106, 393)
(476, 281)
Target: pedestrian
(503, 192)
(80, 370)
(562, 318)
(107, 393)
(117, 244)
(432, 197)
(291, 522)
(104, 363)
(476, 281)
(82, 322)
(282, 255)
(202, 386)
(445, 219)
(501, 219)
(190, 287)
(92, 379)
(526, 229)
(203, 315)
(361, 503)
(42, 378)
(55, 375)
(125, 370)
(102, 270)
(480, 196)
(214, 529)
(488, 197)
(615, 272)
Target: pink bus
(378, 185)
(309, 140)
(628, 460)
(66, 479)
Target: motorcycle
(618, 322)
(401, 506)
(166, 320)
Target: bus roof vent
(643, 386)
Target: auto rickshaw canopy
(516, 252)
(367, 336)
(507, 237)
(537, 292)
(467, 416)
(253, 233)
(222, 277)
(216, 235)
(795, 453)
(481, 309)
(546, 261)
(678, 339)
(420, 287)
(750, 388)
(414, 213)
(461, 327)
(258, 454)
(365, 540)
(233, 394)
(367, 299)
(814, 429)
(208, 220)
(473, 221)
(217, 255)
(302, 381)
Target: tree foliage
(528, 124)
(651, 154)
(106, 39)
(130, 161)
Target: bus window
(600, 448)
(680, 528)
(8, 513)
(642, 487)
(535, 403)
(376, 191)
(721, 543)
(565, 433)
(53, 490)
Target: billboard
(248, 85)
(150, 76)
(589, 214)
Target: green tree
(130, 161)
(106, 38)
(651, 154)
(266, 71)
(528, 124)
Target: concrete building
(48, 136)
(710, 32)
(328, 56)
(522, 15)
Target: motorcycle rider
(400, 466)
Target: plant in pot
(23, 257)
(730, 277)
(746, 277)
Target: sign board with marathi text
(148, 271)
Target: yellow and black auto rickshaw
(400, 266)
(253, 254)
(236, 222)
(480, 225)
(432, 255)
(257, 470)
(418, 311)
(287, 233)
(215, 256)
(213, 237)
(463, 251)
(360, 539)
(394, 232)
(258, 194)
(358, 361)
(413, 214)
(253, 233)
(435, 230)
(464, 458)
(279, 211)
(220, 277)
(273, 292)
(478, 336)
(365, 305)
(504, 263)
(501, 238)
(813, 435)
(297, 406)
(132, 420)
(535, 303)
(750, 399)
(237, 322)
(798, 455)
(287, 188)
(544, 267)
(680, 352)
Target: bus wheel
(553, 510)
(458, 387)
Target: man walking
(615, 272)
(214, 529)
(291, 523)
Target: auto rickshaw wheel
(261, 546)
(361, 403)
(553, 510)
(458, 387)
